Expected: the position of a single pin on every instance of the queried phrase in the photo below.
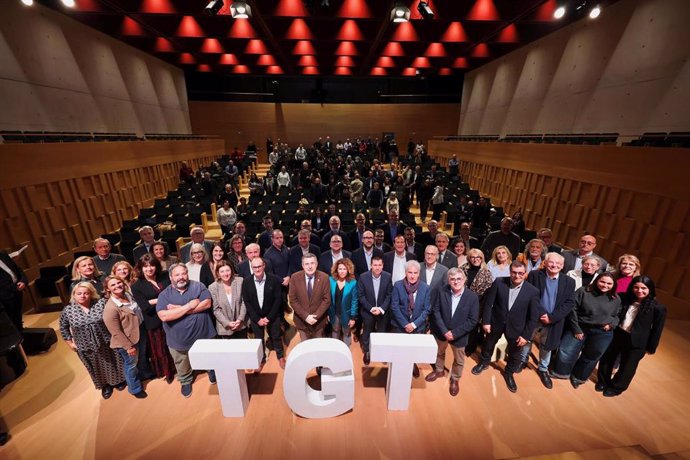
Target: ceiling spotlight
(68, 3)
(595, 12)
(425, 10)
(559, 13)
(213, 7)
(240, 10)
(28, 2)
(400, 13)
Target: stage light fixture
(28, 2)
(68, 3)
(400, 13)
(425, 10)
(559, 13)
(213, 7)
(240, 10)
(595, 12)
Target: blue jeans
(596, 342)
(131, 372)
(567, 354)
(539, 338)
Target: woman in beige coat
(228, 306)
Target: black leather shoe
(610, 393)
(367, 358)
(545, 379)
(521, 367)
(107, 392)
(510, 381)
(415, 371)
(141, 395)
(575, 383)
(479, 368)
(600, 386)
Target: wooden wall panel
(239, 122)
(635, 200)
(58, 197)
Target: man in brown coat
(310, 298)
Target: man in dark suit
(334, 224)
(302, 247)
(412, 246)
(310, 298)
(557, 295)
(12, 285)
(379, 244)
(455, 312)
(261, 294)
(445, 256)
(355, 236)
(198, 236)
(265, 238)
(429, 237)
(253, 251)
(363, 256)
(147, 239)
(394, 261)
(511, 307)
(374, 292)
(313, 238)
(241, 230)
(317, 191)
(336, 252)
(546, 235)
(464, 234)
(392, 228)
(573, 259)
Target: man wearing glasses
(455, 312)
(261, 293)
(512, 308)
(573, 259)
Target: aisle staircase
(213, 229)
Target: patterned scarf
(411, 289)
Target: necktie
(310, 289)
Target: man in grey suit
(198, 236)
(374, 291)
(573, 259)
(433, 273)
(446, 257)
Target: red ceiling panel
(346, 49)
(284, 36)
(212, 45)
(242, 28)
(355, 9)
(304, 47)
(484, 10)
(350, 31)
(299, 30)
(189, 27)
(344, 71)
(266, 59)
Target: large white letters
(337, 394)
(229, 358)
(401, 351)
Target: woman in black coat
(641, 323)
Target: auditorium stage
(53, 411)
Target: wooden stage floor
(54, 412)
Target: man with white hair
(411, 304)
(104, 259)
(199, 237)
(557, 294)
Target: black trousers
(512, 350)
(474, 339)
(372, 323)
(630, 357)
(273, 335)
